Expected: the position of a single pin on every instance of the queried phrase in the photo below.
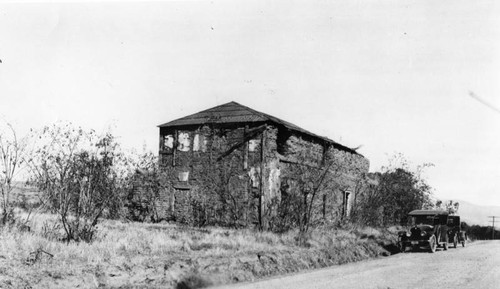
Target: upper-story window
(196, 142)
(204, 144)
(253, 145)
(184, 142)
(200, 142)
(168, 143)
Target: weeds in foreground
(169, 256)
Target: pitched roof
(233, 112)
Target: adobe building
(234, 165)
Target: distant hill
(477, 215)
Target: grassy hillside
(138, 255)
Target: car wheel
(455, 241)
(401, 246)
(432, 244)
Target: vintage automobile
(455, 233)
(429, 229)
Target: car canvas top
(427, 212)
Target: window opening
(346, 206)
(196, 143)
(168, 142)
(253, 145)
(184, 142)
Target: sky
(390, 76)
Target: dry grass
(137, 255)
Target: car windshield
(422, 220)
(454, 221)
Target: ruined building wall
(271, 176)
(228, 182)
(223, 175)
(337, 192)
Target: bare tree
(74, 170)
(12, 152)
(304, 182)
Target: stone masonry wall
(346, 170)
(228, 183)
(270, 176)
(224, 177)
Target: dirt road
(475, 266)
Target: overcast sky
(392, 76)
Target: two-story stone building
(233, 164)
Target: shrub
(74, 170)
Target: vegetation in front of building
(146, 255)
(80, 208)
